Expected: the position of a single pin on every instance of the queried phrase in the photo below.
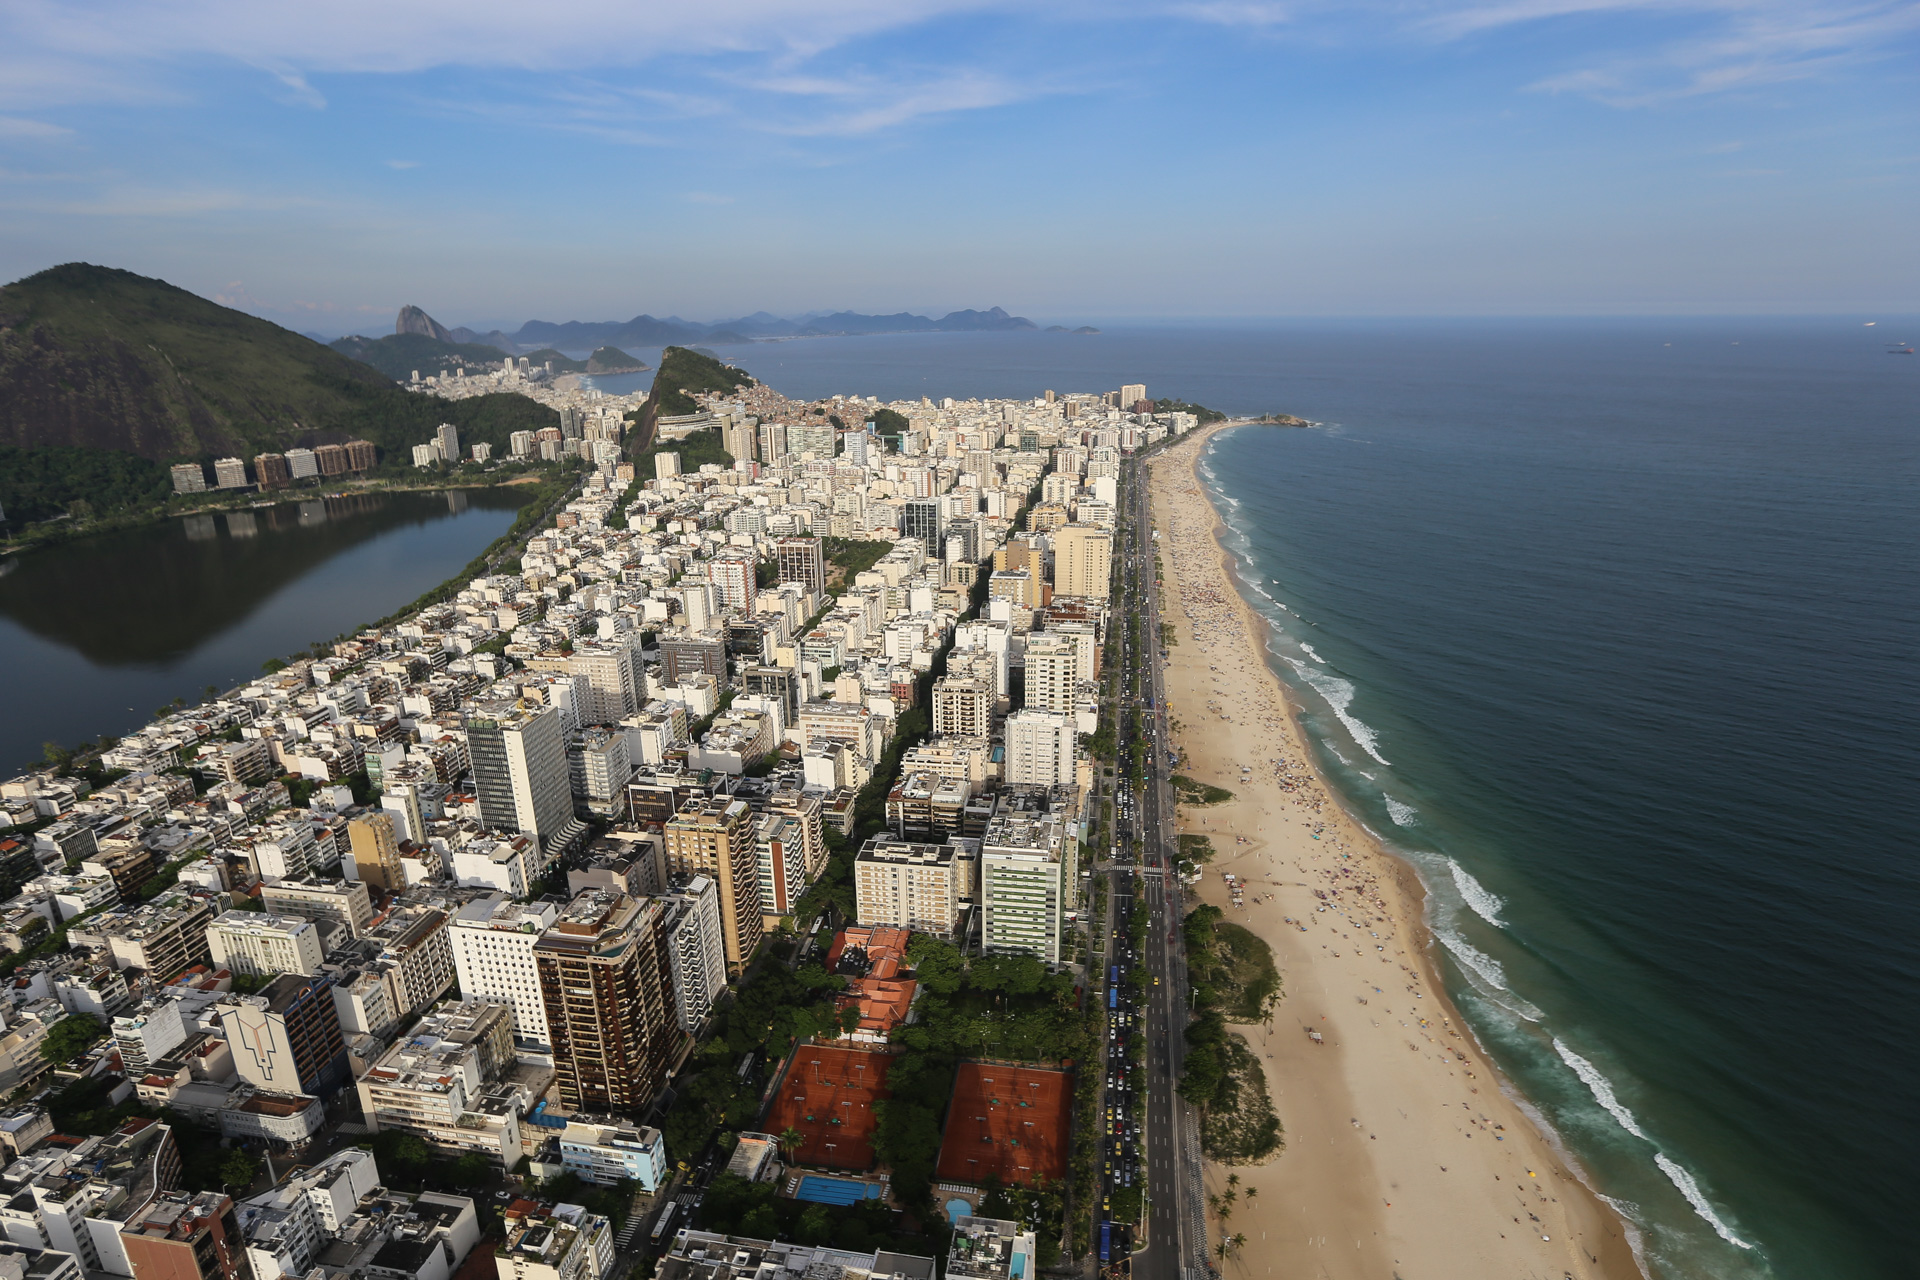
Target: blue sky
(323, 164)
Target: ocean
(1609, 627)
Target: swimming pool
(958, 1209)
(821, 1190)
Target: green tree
(239, 1170)
(71, 1036)
(816, 1226)
(937, 965)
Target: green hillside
(398, 355)
(105, 359)
(684, 373)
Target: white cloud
(58, 51)
(18, 127)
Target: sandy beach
(1406, 1152)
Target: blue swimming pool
(835, 1190)
(958, 1209)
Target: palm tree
(1239, 1240)
(1213, 1202)
(1233, 1179)
(790, 1140)
(1220, 1251)
(1252, 1192)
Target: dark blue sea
(1610, 627)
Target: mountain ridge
(97, 357)
(646, 330)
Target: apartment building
(696, 950)
(963, 707)
(922, 887)
(162, 938)
(1041, 748)
(1053, 672)
(519, 760)
(493, 941)
(715, 838)
(803, 561)
(1026, 884)
(186, 1235)
(438, 1083)
(607, 985)
(287, 1038)
(1083, 562)
(566, 1243)
(375, 842)
(252, 943)
(342, 902)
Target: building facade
(606, 983)
(716, 838)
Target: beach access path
(1406, 1152)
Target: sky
(321, 165)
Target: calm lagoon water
(98, 632)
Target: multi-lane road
(1159, 1149)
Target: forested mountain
(101, 358)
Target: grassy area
(848, 556)
(1233, 976)
(1191, 791)
(1195, 848)
(1247, 979)
(1238, 1126)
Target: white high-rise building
(1025, 886)
(302, 464)
(734, 578)
(251, 943)
(519, 757)
(1131, 394)
(1053, 672)
(493, 956)
(447, 440)
(1040, 748)
(666, 465)
(914, 886)
(696, 950)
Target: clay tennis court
(828, 1095)
(1010, 1121)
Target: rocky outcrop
(414, 320)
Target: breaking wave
(1695, 1197)
(1339, 696)
(1485, 905)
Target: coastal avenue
(1174, 1247)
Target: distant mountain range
(651, 331)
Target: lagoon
(97, 633)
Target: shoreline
(159, 515)
(1405, 1145)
